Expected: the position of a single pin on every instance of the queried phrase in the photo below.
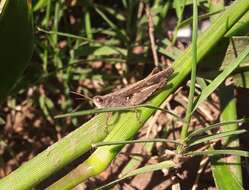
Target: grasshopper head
(99, 101)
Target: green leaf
(179, 6)
(115, 109)
(242, 79)
(217, 125)
(112, 11)
(240, 28)
(219, 152)
(168, 50)
(229, 112)
(16, 47)
(223, 177)
(107, 51)
(46, 105)
(201, 17)
(145, 169)
(120, 33)
(220, 78)
(215, 137)
(40, 4)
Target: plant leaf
(220, 78)
(145, 169)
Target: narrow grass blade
(88, 25)
(120, 33)
(70, 36)
(220, 78)
(145, 169)
(135, 161)
(215, 137)
(114, 109)
(200, 17)
(112, 11)
(135, 141)
(219, 152)
(217, 125)
(184, 130)
(167, 49)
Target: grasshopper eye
(98, 99)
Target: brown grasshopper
(136, 93)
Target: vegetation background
(93, 47)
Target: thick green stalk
(58, 155)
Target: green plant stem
(135, 141)
(184, 131)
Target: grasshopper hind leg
(108, 119)
(137, 115)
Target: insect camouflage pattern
(136, 93)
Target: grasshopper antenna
(81, 95)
